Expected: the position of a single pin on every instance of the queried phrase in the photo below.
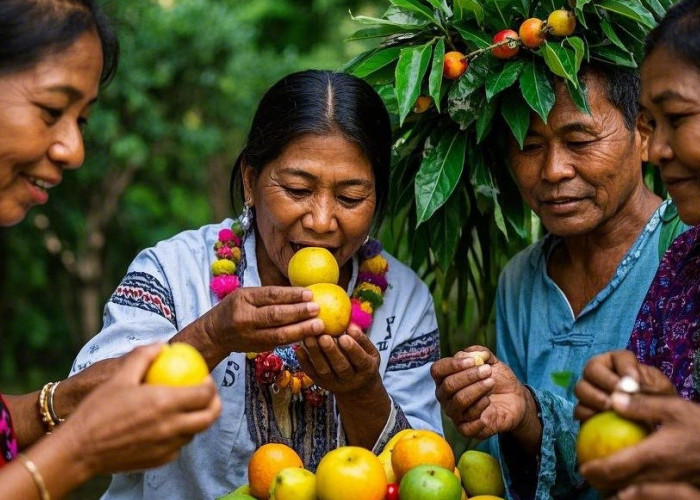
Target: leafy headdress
(448, 70)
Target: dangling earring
(247, 216)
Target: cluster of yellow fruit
(316, 269)
(414, 465)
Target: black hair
(678, 32)
(32, 29)
(317, 102)
(622, 88)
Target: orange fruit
(423, 102)
(264, 465)
(334, 307)
(312, 265)
(561, 22)
(177, 364)
(605, 433)
(454, 65)
(531, 33)
(421, 447)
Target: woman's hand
(344, 365)
(603, 372)
(254, 320)
(487, 399)
(127, 425)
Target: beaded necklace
(280, 368)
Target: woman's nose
(68, 148)
(321, 217)
(660, 151)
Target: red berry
(392, 491)
(510, 41)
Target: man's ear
(644, 131)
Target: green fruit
(240, 493)
(481, 474)
(430, 481)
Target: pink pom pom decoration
(224, 252)
(360, 317)
(224, 284)
(226, 235)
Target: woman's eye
(82, 123)
(52, 113)
(675, 119)
(297, 192)
(530, 147)
(578, 144)
(350, 200)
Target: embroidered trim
(415, 352)
(144, 291)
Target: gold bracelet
(44, 408)
(36, 475)
(52, 413)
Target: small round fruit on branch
(454, 65)
(422, 104)
(532, 33)
(507, 44)
(561, 22)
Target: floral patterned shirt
(8, 440)
(667, 329)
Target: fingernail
(317, 326)
(312, 307)
(466, 363)
(620, 400)
(488, 382)
(307, 295)
(484, 371)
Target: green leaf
(466, 99)
(435, 76)
(484, 120)
(562, 379)
(416, 7)
(477, 37)
(560, 60)
(407, 23)
(579, 47)
(516, 113)
(445, 228)
(579, 96)
(439, 172)
(377, 60)
(410, 70)
(632, 9)
(483, 183)
(610, 33)
(537, 90)
(507, 77)
(613, 55)
(378, 32)
(441, 5)
(464, 7)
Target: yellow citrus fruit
(264, 465)
(605, 433)
(312, 265)
(350, 473)
(177, 364)
(421, 447)
(334, 307)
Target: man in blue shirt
(571, 295)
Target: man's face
(578, 171)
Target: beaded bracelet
(36, 476)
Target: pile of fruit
(414, 465)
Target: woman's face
(319, 192)
(42, 110)
(671, 102)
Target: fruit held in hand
(605, 433)
(335, 307)
(421, 447)
(531, 33)
(264, 465)
(481, 473)
(177, 364)
(510, 41)
(312, 265)
(454, 65)
(561, 22)
(350, 473)
(430, 481)
(293, 483)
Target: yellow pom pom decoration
(223, 267)
(376, 264)
(370, 287)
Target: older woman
(665, 342)
(314, 172)
(53, 57)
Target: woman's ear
(644, 130)
(248, 177)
